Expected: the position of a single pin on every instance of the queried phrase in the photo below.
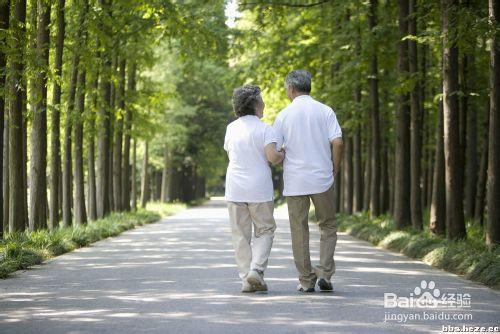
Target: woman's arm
(274, 156)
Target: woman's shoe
(247, 287)
(256, 278)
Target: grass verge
(23, 250)
(469, 258)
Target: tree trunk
(375, 122)
(341, 184)
(437, 222)
(493, 221)
(357, 161)
(173, 185)
(126, 187)
(463, 108)
(145, 177)
(429, 181)
(188, 183)
(79, 201)
(55, 161)
(103, 175)
(392, 186)
(67, 167)
(67, 175)
(471, 148)
(455, 224)
(416, 125)
(200, 187)
(483, 173)
(92, 202)
(358, 174)
(428, 153)
(38, 158)
(5, 172)
(24, 131)
(117, 151)
(17, 204)
(385, 191)
(157, 185)
(357, 148)
(367, 177)
(403, 141)
(60, 192)
(29, 105)
(348, 180)
(164, 179)
(112, 120)
(134, 176)
(102, 195)
(4, 25)
(31, 62)
(426, 185)
(92, 210)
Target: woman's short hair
(246, 100)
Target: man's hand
(337, 154)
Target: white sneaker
(256, 278)
(247, 287)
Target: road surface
(179, 276)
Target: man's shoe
(325, 285)
(301, 288)
(247, 287)
(256, 279)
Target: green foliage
(22, 250)
(180, 52)
(188, 108)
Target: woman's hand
(274, 156)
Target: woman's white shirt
(248, 177)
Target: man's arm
(337, 154)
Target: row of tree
(415, 85)
(77, 96)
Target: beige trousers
(252, 255)
(298, 211)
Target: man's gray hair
(300, 80)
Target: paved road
(179, 276)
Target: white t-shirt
(306, 127)
(248, 177)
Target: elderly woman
(251, 145)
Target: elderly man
(312, 139)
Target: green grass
(469, 258)
(165, 210)
(23, 250)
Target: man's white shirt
(248, 177)
(306, 128)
